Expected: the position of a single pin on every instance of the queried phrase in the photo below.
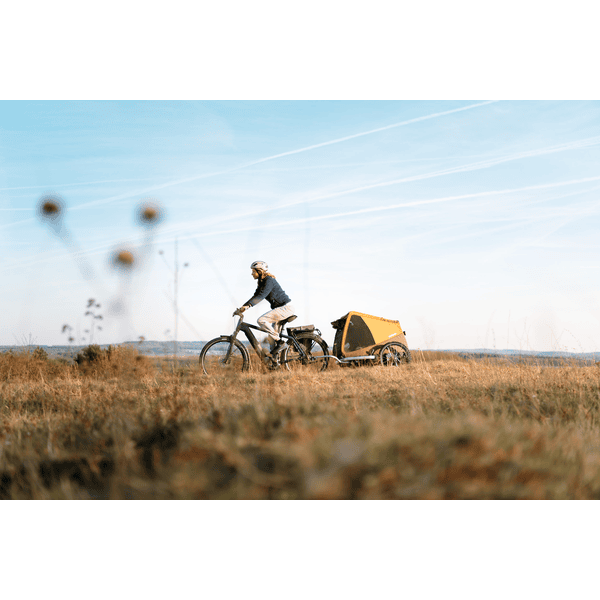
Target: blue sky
(474, 223)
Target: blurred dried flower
(149, 213)
(50, 208)
(123, 258)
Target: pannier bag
(358, 334)
(303, 329)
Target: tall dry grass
(442, 427)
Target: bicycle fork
(229, 351)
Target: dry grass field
(128, 427)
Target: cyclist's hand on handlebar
(238, 312)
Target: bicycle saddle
(288, 320)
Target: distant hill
(534, 353)
(149, 348)
(550, 357)
(156, 348)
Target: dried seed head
(123, 259)
(50, 208)
(149, 213)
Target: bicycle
(306, 350)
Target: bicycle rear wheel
(314, 347)
(213, 356)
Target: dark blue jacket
(269, 289)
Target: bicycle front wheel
(314, 358)
(214, 356)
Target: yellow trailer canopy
(359, 333)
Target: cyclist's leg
(270, 320)
(284, 312)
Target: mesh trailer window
(358, 335)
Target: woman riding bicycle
(269, 289)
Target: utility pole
(306, 257)
(175, 298)
(176, 305)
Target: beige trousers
(270, 320)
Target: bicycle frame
(247, 329)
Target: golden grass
(132, 427)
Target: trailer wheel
(394, 354)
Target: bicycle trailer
(361, 337)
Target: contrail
(373, 209)
(154, 188)
(367, 164)
(548, 214)
(13, 223)
(161, 186)
(408, 204)
(472, 166)
(356, 135)
(62, 185)
(485, 164)
(573, 145)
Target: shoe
(279, 346)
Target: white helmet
(260, 265)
